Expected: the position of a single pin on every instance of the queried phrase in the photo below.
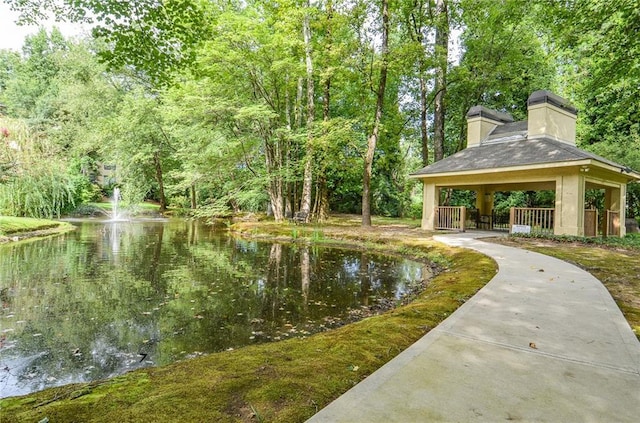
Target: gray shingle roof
(518, 152)
(510, 130)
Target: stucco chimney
(551, 116)
(481, 121)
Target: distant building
(106, 175)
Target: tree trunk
(158, 166)
(298, 109)
(375, 133)
(415, 23)
(322, 209)
(273, 159)
(288, 186)
(329, 45)
(305, 206)
(194, 204)
(424, 133)
(441, 52)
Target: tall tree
(418, 24)
(141, 147)
(322, 202)
(600, 50)
(597, 41)
(305, 206)
(440, 85)
(377, 121)
(33, 89)
(503, 60)
(253, 69)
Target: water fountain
(114, 203)
(115, 213)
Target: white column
(430, 200)
(569, 214)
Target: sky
(12, 36)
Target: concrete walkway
(543, 341)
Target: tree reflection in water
(111, 297)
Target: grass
(286, 381)
(351, 220)
(614, 261)
(12, 226)
(108, 206)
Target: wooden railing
(496, 221)
(531, 220)
(448, 217)
(591, 222)
(613, 223)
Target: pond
(112, 297)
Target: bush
(86, 192)
(415, 210)
(41, 191)
(629, 241)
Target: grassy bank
(286, 381)
(105, 208)
(17, 228)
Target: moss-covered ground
(286, 381)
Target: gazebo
(536, 154)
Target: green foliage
(628, 241)
(625, 151)
(44, 192)
(133, 191)
(152, 38)
(457, 197)
(31, 91)
(85, 191)
(602, 63)
(203, 102)
(35, 183)
(212, 209)
(503, 201)
(415, 210)
(503, 61)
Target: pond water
(111, 297)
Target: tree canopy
(290, 106)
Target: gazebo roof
(507, 146)
(535, 154)
(495, 142)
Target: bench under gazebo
(536, 154)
